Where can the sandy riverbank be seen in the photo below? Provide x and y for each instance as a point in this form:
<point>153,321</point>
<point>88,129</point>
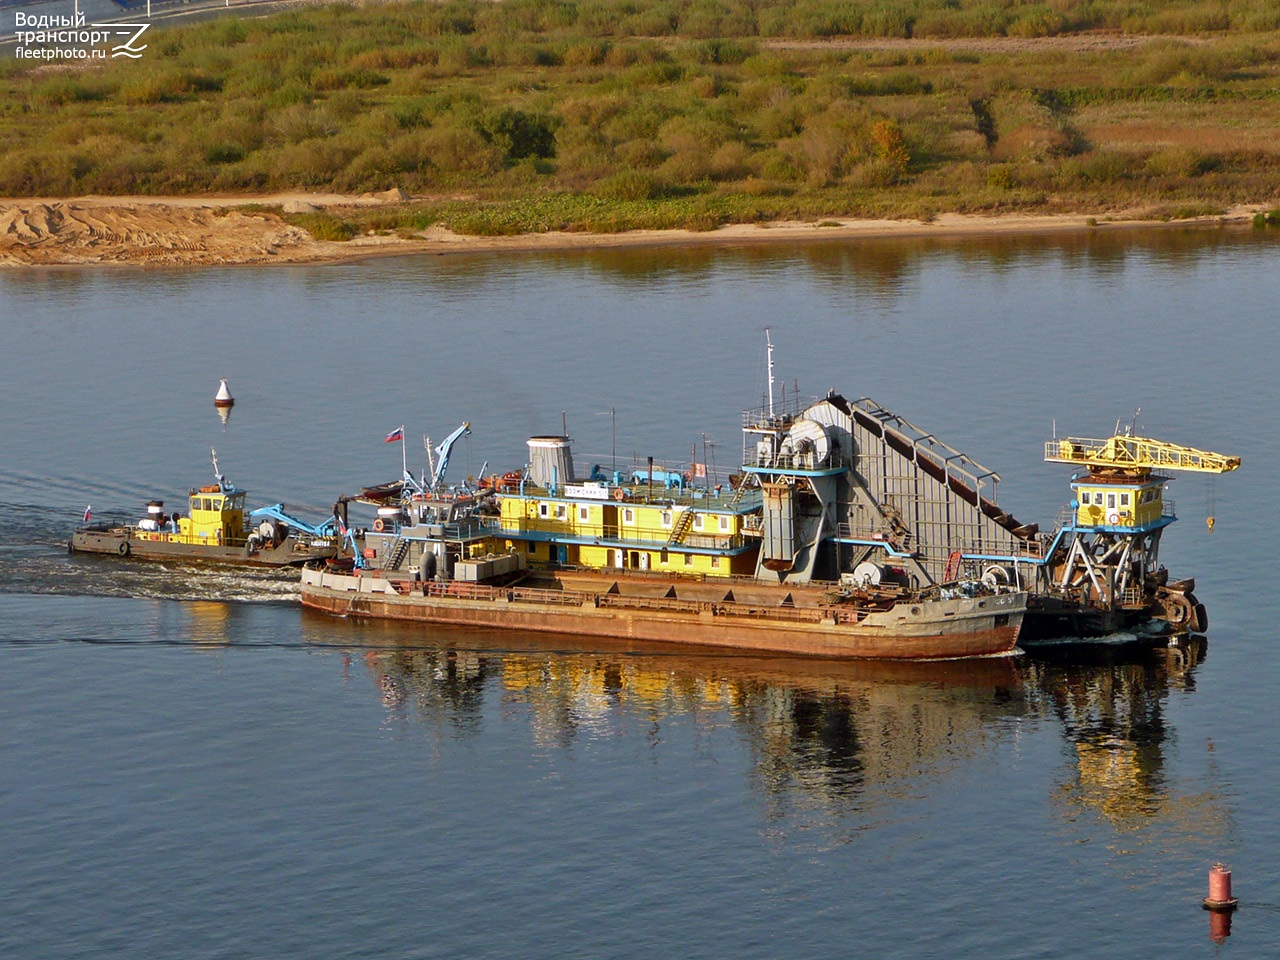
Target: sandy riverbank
<point>207,231</point>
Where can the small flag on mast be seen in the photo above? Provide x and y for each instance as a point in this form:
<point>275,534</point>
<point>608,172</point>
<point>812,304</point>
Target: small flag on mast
<point>394,435</point>
<point>88,513</point>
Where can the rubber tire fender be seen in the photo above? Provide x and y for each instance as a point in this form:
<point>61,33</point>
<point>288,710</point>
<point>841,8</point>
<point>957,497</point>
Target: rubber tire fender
<point>123,549</point>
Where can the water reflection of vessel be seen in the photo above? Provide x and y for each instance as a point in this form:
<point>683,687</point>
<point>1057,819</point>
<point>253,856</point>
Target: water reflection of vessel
<point>216,529</point>
<point>1112,711</point>
<point>829,730</point>
<point>842,724</point>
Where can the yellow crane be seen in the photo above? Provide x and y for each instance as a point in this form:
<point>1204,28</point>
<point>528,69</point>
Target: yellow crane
<point>1129,456</point>
<point>1109,548</point>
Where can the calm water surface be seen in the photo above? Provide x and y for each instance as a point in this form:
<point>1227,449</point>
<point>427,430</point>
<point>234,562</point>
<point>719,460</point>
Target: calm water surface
<point>192,767</point>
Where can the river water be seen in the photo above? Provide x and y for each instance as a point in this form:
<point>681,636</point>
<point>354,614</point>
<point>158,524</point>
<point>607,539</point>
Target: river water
<point>193,767</point>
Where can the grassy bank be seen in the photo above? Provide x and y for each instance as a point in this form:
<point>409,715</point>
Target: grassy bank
<point>530,115</point>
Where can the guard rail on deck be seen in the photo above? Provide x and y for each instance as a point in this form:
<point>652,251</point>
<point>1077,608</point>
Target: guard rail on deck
<point>839,613</point>
<point>978,546</point>
<point>645,537</point>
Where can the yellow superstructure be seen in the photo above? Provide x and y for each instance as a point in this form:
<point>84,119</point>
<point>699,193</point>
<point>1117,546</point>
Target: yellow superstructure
<point>1119,491</point>
<point>215,518</point>
<point>609,529</point>
<point>1118,504</point>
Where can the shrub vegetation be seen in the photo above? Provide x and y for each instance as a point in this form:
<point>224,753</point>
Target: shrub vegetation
<point>520,115</point>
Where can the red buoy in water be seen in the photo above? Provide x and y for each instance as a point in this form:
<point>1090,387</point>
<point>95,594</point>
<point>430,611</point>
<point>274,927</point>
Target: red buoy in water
<point>1219,897</point>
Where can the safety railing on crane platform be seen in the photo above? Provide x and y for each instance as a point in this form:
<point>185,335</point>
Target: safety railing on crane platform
<point>1028,549</point>
<point>781,414</point>
<point>789,461</point>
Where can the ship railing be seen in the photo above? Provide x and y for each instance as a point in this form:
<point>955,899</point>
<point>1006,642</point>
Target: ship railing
<point>893,429</point>
<point>783,413</point>
<point>839,613</point>
<point>645,537</point>
<point>907,542</point>
<point>1133,597</point>
<point>479,591</point>
<point>792,461</point>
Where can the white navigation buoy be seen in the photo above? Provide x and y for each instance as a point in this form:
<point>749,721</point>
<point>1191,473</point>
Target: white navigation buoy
<point>223,401</point>
<point>223,397</point>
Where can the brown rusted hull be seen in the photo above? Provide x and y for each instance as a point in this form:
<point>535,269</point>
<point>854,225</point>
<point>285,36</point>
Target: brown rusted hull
<point>935,630</point>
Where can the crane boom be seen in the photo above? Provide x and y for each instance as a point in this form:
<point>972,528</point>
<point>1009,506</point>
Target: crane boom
<point>1136,455</point>
<point>442,452</point>
<point>276,511</point>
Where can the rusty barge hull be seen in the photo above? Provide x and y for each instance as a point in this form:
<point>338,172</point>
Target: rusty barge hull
<point>932,630</point>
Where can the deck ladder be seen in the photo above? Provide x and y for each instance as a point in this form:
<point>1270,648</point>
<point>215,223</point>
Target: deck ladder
<point>395,556</point>
<point>681,527</point>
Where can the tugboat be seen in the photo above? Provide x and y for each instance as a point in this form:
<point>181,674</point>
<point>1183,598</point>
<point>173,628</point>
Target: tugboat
<point>217,529</point>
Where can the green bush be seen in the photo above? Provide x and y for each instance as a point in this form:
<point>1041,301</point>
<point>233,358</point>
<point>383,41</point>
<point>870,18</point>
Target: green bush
<point>325,226</point>
<point>633,185</point>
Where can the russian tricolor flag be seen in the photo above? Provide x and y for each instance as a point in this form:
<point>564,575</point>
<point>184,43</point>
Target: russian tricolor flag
<point>394,435</point>
<point>88,513</point>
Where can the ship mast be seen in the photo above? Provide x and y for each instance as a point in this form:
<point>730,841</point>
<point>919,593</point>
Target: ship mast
<point>769,344</point>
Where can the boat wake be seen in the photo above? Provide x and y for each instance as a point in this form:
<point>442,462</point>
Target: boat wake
<point>34,560</point>
<point>1157,631</point>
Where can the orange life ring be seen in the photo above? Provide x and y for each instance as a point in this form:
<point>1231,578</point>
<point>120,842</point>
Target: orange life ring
<point>1113,518</point>
<point>619,494</point>
<point>379,525</point>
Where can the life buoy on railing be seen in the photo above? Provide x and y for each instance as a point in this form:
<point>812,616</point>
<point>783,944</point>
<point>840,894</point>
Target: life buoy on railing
<point>379,525</point>
<point>1113,518</point>
<point>619,494</point>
